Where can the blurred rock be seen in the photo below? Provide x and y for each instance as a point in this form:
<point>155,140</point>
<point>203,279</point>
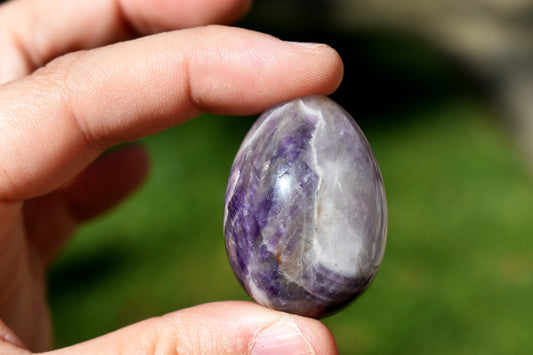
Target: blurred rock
<point>492,38</point>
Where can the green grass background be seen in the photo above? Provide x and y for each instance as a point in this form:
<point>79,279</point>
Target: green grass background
<point>457,272</point>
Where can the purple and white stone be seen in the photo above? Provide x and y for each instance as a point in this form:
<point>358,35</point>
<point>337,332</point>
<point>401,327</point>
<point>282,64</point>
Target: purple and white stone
<point>305,216</point>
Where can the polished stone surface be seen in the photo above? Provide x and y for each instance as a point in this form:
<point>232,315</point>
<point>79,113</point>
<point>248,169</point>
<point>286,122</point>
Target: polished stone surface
<point>305,212</point>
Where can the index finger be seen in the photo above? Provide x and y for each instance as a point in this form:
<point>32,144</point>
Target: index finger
<point>56,121</point>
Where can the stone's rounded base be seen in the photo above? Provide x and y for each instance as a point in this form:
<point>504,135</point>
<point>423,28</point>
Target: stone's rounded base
<point>305,214</point>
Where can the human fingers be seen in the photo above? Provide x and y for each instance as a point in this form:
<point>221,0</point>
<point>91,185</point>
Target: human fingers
<point>106,182</point>
<point>232,327</point>
<point>32,32</point>
<point>9,342</point>
<point>51,219</point>
<point>54,122</point>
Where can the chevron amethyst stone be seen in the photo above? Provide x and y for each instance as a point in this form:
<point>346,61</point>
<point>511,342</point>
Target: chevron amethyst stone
<point>305,212</point>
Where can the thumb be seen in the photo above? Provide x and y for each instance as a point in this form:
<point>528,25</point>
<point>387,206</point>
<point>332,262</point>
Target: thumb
<point>232,327</point>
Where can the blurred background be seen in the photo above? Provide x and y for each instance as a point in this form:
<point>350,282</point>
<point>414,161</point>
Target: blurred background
<point>443,91</point>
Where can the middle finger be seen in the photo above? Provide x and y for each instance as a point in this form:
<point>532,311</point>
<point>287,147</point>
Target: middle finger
<point>33,32</point>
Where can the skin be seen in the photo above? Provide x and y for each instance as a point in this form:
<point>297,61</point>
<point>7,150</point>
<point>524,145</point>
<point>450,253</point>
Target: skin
<point>78,77</point>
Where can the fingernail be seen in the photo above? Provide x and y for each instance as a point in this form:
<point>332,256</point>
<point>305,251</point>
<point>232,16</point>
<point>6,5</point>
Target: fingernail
<point>281,338</point>
<point>308,45</point>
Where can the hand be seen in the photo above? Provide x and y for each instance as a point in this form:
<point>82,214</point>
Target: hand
<point>60,108</point>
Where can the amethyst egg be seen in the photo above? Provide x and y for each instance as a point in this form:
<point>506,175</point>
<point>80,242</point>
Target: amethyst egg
<point>305,216</point>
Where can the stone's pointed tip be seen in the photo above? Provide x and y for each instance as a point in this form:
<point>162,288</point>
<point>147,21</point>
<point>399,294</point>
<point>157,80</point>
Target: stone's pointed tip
<point>305,211</point>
